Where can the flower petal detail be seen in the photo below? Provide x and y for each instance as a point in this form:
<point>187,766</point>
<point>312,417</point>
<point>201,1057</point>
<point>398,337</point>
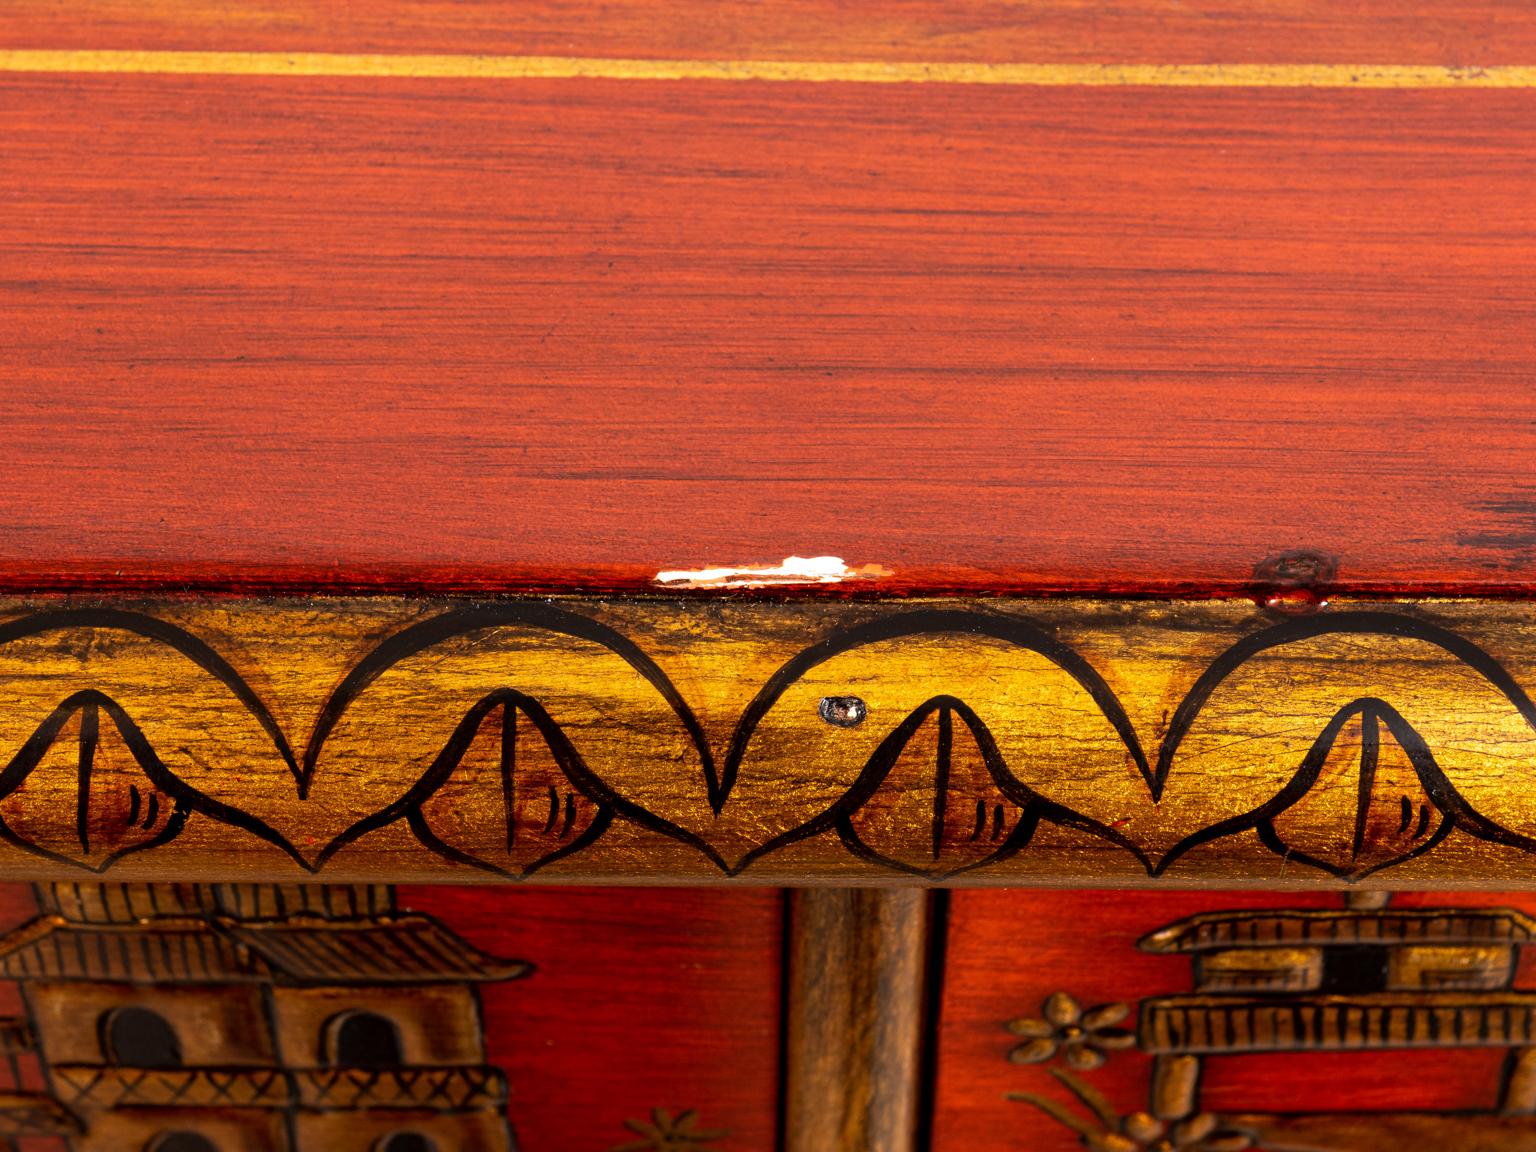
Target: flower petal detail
<point>1194,1129</point>
<point>1037,1051</point>
<point>1111,1142</point>
<point>1112,1038</point>
<point>1142,1126</point>
<point>1082,1058</point>
<point>1060,1008</point>
<point>1104,1015</point>
<point>1030,1028</point>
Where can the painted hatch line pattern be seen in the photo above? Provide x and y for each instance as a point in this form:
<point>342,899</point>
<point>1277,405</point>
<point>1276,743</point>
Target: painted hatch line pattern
<point>928,741</point>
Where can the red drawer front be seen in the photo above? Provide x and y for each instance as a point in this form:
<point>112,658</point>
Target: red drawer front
<point>1298,1023</point>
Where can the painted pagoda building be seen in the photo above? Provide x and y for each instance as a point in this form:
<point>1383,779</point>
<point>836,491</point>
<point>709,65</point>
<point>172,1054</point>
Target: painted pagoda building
<point>246,1018</point>
<point>1366,979</point>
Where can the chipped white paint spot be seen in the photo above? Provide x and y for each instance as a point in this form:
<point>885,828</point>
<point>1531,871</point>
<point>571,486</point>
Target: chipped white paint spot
<point>794,570</point>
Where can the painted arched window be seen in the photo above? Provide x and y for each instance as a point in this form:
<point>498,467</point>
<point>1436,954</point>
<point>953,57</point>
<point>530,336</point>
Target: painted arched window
<point>364,1040</point>
<point>406,1142</point>
<point>181,1142</point>
<point>138,1037</point>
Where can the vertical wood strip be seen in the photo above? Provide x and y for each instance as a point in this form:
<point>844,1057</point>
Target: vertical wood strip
<point>1175,1086</point>
<point>858,962</point>
<point>1518,1097</point>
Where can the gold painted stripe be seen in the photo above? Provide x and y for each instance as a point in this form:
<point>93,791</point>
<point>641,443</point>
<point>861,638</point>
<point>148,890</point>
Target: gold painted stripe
<point>464,67</point>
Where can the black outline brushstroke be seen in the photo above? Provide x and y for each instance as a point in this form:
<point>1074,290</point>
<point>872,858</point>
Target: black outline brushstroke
<point>36,746</point>
<point>205,658</point>
<point>549,822</point>
<point>178,639</point>
<point>1454,809</point>
<point>1362,622</point>
<point>85,765</point>
<point>884,758</point>
<point>1370,756</point>
<point>1021,633</point>
<point>941,775</point>
<point>461,621</point>
<point>1443,795</point>
<point>447,761</point>
<point>582,779</point>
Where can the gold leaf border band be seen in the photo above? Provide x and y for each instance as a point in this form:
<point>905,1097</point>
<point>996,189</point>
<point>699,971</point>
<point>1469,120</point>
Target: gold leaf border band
<point>713,740</point>
<point>510,67</point>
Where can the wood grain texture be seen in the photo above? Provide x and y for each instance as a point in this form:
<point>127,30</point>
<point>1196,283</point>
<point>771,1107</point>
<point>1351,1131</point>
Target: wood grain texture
<point>1469,32</point>
<point>996,742</point>
<point>856,1013</point>
<point>279,332</point>
<point>642,999</point>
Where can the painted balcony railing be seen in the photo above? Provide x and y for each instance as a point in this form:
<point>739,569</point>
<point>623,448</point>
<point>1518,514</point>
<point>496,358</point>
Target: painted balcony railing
<point>1338,1023</point>
<point>458,1088</point>
<point>91,1087</point>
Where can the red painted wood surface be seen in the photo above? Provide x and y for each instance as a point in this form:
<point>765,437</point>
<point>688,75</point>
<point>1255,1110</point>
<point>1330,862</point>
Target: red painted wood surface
<point>282,331</point>
<point>645,999</point>
<point>1008,951</point>
<point>1456,32</point>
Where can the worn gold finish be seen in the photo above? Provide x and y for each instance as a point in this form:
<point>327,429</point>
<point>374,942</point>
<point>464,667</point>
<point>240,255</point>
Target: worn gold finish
<point>989,742</point>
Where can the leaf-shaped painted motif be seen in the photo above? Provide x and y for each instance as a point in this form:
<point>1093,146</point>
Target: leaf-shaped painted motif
<point>616,726</point>
<point>185,713</point>
<point>1367,806</point>
<point>506,778</point>
<point>935,788</point>
<point>1243,745</point>
<point>1057,740</point>
<point>1367,795</point>
<point>86,788</point>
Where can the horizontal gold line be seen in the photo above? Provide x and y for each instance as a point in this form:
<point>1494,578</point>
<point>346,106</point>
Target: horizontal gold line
<point>464,67</point>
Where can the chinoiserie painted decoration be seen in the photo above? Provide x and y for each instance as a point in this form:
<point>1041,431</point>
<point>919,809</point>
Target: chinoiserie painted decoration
<point>251,1017</point>
<point>1368,981</point>
<point>987,742</point>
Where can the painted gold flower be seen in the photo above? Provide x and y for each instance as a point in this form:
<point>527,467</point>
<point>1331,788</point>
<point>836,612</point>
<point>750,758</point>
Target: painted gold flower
<point>1082,1037</point>
<point>667,1133</point>
<point>1136,1131</point>
<point>1143,1132</point>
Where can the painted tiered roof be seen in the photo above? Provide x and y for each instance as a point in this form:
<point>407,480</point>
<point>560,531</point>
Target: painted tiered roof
<point>95,902</point>
<point>404,950</point>
<point>1325,928</point>
<point>225,934</point>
